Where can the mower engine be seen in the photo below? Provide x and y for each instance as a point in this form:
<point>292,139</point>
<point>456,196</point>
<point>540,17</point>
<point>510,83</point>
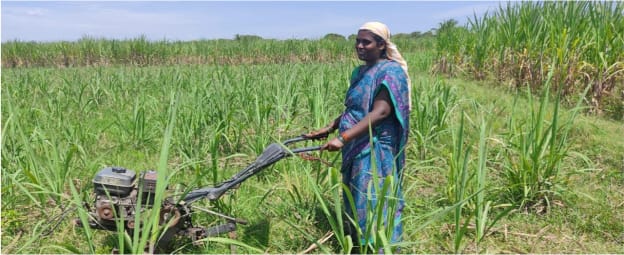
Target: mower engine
<point>119,193</point>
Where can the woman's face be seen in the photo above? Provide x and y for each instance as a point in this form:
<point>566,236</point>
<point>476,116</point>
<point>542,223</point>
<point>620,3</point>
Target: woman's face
<point>367,48</point>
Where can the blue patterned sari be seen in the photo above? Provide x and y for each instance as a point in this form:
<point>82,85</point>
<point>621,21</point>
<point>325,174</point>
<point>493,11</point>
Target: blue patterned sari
<point>388,141</point>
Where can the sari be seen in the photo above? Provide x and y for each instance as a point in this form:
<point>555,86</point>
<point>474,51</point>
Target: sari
<point>386,143</point>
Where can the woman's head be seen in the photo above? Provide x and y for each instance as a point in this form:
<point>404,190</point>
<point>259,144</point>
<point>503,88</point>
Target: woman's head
<point>382,48</point>
<point>369,47</point>
<point>375,32</point>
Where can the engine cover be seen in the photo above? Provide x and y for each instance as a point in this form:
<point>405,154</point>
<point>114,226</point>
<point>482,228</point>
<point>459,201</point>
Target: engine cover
<point>116,181</point>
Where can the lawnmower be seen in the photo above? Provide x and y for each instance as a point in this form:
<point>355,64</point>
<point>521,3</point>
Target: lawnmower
<point>121,193</point>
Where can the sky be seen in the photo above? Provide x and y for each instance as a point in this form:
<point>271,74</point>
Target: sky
<point>47,21</point>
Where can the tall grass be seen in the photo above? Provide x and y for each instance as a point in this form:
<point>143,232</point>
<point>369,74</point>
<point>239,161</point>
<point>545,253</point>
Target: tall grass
<point>517,44</point>
<point>433,104</point>
<point>90,51</point>
<point>121,112</point>
<point>535,150</point>
<point>335,216</point>
<point>88,117</point>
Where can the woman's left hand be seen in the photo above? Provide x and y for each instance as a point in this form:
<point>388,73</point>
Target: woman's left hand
<point>318,134</point>
<point>333,145</point>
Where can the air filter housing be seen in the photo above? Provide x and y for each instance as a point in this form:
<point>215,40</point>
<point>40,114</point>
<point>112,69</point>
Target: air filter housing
<point>117,181</point>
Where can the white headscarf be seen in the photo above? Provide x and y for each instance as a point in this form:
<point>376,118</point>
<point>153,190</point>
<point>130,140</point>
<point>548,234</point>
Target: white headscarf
<point>392,52</point>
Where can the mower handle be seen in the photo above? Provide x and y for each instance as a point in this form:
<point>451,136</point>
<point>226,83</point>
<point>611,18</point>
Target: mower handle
<point>304,138</point>
<point>295,139</point>
<point>275,153</point>
<point>306,149</point>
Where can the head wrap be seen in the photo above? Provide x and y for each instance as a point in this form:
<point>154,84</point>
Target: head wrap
<point>392,52</point>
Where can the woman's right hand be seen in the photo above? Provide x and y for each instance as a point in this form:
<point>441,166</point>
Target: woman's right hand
<point>333,145</point>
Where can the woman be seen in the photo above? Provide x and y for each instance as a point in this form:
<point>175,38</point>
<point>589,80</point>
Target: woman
<point>379,95</point>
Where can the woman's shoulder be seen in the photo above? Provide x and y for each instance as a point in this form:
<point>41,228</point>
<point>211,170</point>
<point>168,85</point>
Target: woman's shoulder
<point>392,64</point>
<point>391,67</point>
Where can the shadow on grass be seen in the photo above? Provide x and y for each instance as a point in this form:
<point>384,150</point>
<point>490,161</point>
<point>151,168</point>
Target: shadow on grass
<point>257,233</point>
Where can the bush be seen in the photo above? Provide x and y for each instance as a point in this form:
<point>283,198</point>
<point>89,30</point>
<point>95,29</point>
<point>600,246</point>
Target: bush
<point>334,37</point>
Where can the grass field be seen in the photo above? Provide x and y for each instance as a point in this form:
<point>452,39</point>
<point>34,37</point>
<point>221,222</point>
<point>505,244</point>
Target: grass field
<point>491,168</point>
<point>62,125</point>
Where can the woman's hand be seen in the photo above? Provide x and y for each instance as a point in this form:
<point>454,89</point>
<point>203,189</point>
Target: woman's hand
<point>323,132</point>
<point>319,134</point>
<point>333,145</point>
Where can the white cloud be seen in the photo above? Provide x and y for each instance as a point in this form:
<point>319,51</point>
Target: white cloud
<point>35,12</point>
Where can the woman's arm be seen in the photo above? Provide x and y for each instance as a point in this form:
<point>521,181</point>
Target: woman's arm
<point>382,108</point>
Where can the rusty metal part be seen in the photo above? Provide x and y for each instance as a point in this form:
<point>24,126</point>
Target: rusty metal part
<point>232,235</point>
<point>170,214</point>
<point>196,234</point>
<point>148,180</point>
<point>130,224</point>
<point>310,157</point>
<point>105,211</point>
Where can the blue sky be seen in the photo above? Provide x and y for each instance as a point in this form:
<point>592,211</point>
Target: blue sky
<point>190,20</point>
